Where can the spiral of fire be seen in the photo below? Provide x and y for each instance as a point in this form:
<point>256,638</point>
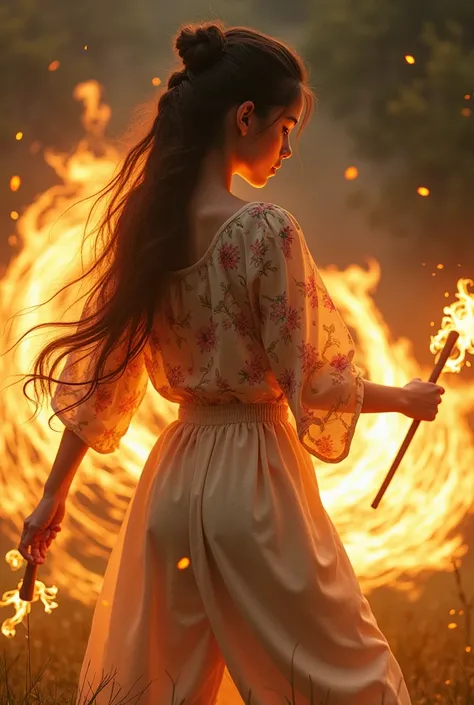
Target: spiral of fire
<point>416,529</point>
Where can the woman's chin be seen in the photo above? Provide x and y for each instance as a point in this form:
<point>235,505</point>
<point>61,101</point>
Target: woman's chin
<point>257,180</point>
<point>260,181</point>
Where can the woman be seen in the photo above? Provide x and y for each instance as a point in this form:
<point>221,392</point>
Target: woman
<point>226,556</point>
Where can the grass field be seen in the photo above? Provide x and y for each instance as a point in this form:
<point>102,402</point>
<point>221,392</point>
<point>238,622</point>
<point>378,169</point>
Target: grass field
<point>435,656</point>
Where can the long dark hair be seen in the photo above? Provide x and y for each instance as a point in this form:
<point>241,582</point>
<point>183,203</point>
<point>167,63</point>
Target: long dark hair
<point>144,230</point>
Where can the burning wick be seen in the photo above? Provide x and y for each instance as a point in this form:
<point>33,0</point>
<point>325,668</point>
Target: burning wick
<point>445,353</point>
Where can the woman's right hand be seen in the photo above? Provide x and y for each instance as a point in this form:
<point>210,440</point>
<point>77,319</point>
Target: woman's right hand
<point>421,399</point>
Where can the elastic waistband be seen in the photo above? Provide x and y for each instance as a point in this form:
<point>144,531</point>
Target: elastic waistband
<point>217,414</point>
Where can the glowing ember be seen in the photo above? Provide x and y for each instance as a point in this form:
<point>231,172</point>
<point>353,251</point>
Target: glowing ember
<point>184,563</point>
<point>351,173</point>
<point>15,183</point>
<point>458,316</point>
<point>410,59</point>
<point>417,529</point>
<point>423,191</point>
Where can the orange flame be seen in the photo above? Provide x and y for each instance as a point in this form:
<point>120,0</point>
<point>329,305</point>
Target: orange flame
<point>22,608</point>
<point>458,316</point>
<point>417,529</point>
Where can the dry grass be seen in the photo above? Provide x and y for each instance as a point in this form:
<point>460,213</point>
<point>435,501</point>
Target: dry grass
<point>437,665</point>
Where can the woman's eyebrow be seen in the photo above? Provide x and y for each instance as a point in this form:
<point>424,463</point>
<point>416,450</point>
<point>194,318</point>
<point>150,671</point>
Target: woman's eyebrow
<point>290,117</point>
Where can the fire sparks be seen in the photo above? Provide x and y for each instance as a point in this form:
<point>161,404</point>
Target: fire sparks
<point>15,183</point>
<point>458,316</point>
<point>351,173</point>
<point>417,530</point>
<point>423,191</point>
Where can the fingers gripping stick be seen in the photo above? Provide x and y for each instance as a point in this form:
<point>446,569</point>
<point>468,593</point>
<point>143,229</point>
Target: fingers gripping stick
<point>445,353</point>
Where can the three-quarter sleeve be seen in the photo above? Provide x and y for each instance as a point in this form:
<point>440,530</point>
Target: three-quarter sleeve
<point>103,419</point>
<point>309,348</point>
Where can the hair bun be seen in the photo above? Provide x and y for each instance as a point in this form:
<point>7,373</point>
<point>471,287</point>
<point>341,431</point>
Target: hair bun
<point>200,47</point>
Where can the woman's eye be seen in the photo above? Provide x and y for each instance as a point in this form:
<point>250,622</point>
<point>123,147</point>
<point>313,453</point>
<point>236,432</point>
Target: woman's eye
<point>286,131</point>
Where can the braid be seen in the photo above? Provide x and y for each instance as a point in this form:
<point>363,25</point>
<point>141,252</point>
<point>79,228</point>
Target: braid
<point>177,78</point>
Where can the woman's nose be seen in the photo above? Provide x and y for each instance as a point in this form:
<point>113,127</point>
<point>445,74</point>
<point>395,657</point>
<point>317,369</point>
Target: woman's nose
<point>286,152</point>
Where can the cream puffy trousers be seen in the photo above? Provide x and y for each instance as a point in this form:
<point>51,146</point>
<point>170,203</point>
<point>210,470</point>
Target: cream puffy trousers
<point>269,582</point>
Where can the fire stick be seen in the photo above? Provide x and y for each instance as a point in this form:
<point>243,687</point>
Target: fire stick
<point>445,353</point>
<point>28,585</point>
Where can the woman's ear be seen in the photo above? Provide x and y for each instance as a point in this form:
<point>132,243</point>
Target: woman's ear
<point>243,114</point>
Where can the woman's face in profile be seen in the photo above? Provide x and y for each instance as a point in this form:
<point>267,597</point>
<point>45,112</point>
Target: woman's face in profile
<point>264,144</point>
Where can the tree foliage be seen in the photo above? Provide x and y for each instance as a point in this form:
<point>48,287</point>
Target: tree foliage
<point>43,56</point>
<point>413,122</point>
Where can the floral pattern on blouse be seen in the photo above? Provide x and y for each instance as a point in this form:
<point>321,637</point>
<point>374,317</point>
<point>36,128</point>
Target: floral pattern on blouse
<point>251,321</point>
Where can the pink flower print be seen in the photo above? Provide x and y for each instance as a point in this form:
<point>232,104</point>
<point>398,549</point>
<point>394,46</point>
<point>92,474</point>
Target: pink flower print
<point>254,370</point>
<point>311,291</point>
<point>258,209</point>
<point>207,337</point>
<point>221,383</point>
<point>278,309</point>
<point>327,301</point>
<point>128,404</point>
<point>175,375</point>
<point>293,321</point>
<point>309,357</point>
<point>103,398</point>
<point>241,324</point>
<point>228,256</point>
<point>259,248</point>
<point>325,445</point>
<point>339,362</point>
<point>286,236</point>
<point>287,382</point>
<point>111,435</point>
<point>293,318</point>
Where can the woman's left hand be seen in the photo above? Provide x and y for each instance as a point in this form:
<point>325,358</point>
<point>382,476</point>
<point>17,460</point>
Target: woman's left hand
<point>41,528</point>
